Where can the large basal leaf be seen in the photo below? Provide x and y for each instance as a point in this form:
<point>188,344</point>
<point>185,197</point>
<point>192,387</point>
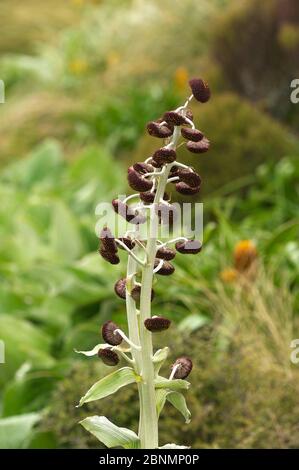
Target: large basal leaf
<point>109,385</point>
<point>176,384</point>
<point>110,434</point>
<point>176,399</point>
<point>16,431</point>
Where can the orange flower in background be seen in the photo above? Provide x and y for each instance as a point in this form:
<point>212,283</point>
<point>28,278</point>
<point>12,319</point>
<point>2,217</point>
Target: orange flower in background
<point>229,275</point>
<point>181,77</point>
<point>245,253</point>
<point>78,66</point>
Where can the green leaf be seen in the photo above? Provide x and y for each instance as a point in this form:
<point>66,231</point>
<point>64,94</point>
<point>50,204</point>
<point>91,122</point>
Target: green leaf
<point>179,402</point>
<point>15,431</point>
<point>110,434</point>
<point>176,399</point>
<point>109,385</point>
<point>173,446</point>
<point>159,358</point>
<point>193,322</point>
<point>176,384</point>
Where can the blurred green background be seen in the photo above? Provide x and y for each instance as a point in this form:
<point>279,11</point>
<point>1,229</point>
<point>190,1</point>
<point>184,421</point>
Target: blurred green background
<point>82,79</point>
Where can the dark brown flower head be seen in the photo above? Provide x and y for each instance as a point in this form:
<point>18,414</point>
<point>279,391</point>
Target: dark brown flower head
<point>156,324</point>
<point>192,134</point>
<point>186,190</point>
<point>184,367</point>
<point>142,168</point>
<point>165,253</point>
<point>112,258</point>
<point>128,242</point>
<point>127,213</point>
<point>120,288</point>
<point>166,269</point>
<point>198,147</point>
<point>109,333</point>
<point>136,291</point>
<point>189,177</point>
<point>161,131</point>
<point>167,213</point>
<point>200,89</point>
<point>137,181</point>
<point>149,196</point>
<point>188,247</point>
<point>107,241</point>
<point>172,117</point>
<point>109,357</point>
<point>164,155</point>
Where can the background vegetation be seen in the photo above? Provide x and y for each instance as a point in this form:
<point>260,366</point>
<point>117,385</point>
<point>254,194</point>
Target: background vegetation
<point>82,79</point>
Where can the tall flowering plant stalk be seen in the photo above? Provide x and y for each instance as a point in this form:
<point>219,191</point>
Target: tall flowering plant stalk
<point>146,259</point>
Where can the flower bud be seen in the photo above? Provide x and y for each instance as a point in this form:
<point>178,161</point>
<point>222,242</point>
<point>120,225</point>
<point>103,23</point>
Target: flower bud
<point>161,131</point>
<point>166,269</point>
<point>137,181</point>
<point>164,155</point>
<point>112,258</point>
<point>120,288</point>
<point>107,241</point>
<point>200,89</point>
<point>109,334</point>
<point>184,367</point>
<point>189,177</point>
<point>149,196</point>
<point>127,241</point>
<point>136,291</point>
<point>188,247</point>
<point>245,253</point>
<point>142,168</point>
<point>172,117</point>
<point>191,134</point>
<point>109,357</point>
<point>165,253</point>
<point>156,324</point>
<point>127,213</point>
<point>198,147</point>
<point>186,190</point>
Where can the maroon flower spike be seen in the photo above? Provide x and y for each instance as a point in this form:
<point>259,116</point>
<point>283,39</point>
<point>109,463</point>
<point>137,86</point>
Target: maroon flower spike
<point>109,357</point>
<point>109,334</point>
<point>164,155</point>
<point>128,242</point>
<point>184,367</point>
<point>172,117</point>
<point>166,269</point>
<point>107,241</point>
<point>112,258</point>
<point>198,147</point>
<point>191,247</point>
<point>200,89</point>
<point>120,288</point>
<point>165,253</point>
<point>191,134</point>
<point>156,324</point>
<point>136,291</point>
<point>149,197</point>
<point>186,190</point>
<point>156,130</point>
<point>137,181</point>
<point>189,177</point>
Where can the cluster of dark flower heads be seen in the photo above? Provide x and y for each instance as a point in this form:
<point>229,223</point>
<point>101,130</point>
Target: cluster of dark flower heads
<point>141,179</point>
